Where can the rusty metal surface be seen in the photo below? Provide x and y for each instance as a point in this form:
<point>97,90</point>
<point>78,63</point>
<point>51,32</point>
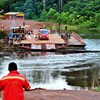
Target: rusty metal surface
<point>53,39</point>
<point>61,95</point>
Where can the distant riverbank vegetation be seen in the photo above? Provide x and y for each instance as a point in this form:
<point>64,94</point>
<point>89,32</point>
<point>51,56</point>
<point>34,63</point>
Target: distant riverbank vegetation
<point>83,13</point>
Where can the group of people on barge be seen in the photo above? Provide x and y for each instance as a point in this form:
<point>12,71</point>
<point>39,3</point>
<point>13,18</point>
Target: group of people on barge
<point>18,35</point>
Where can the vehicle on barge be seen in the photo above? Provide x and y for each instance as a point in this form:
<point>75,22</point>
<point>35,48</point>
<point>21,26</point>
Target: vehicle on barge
<point>43,40</point>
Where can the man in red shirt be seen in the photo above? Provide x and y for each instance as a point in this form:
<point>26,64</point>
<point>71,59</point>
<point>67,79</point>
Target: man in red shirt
<point>13,84</point>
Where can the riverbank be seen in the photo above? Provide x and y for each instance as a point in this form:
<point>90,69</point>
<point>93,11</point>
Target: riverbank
<point>42,94</point>
<point>54,27</point>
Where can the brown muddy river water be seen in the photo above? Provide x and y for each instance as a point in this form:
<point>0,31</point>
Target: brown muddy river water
<point>53,70</point>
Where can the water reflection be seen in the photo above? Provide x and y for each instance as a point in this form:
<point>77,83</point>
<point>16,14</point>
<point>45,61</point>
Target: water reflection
<point>84,78</point>
<point>53,70</point>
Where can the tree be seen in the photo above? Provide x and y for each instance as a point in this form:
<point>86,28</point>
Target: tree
<point>51,14</point>
<point>44,16</point>
<point>97,18</point>
<point>28,9</point>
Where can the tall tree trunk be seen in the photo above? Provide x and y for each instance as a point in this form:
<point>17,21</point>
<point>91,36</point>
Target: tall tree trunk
<point>60,5</point>
<point>44,4</point>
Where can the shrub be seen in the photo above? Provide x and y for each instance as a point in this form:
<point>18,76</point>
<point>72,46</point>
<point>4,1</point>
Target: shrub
<point>2,34</point>
<point>88,24</point>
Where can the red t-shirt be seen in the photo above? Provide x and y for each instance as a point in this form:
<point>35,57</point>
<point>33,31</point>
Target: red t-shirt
<point>12,86</point>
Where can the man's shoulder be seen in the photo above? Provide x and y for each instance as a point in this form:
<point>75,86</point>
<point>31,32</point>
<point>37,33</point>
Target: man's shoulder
<point>3,77</point>
<point>19,77</point>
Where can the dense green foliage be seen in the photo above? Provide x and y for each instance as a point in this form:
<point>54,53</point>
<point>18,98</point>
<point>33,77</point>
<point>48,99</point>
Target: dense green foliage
<point>72,12</point>
<point>2,34</point>
<point>97,89</point>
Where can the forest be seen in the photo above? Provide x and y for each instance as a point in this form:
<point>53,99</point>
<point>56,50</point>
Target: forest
<point>71,12</point>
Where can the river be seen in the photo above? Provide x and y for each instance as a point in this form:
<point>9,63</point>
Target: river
<point>52,70</point>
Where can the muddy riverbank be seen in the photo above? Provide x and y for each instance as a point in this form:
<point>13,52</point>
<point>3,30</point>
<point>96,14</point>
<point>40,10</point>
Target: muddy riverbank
<point>61,95</point>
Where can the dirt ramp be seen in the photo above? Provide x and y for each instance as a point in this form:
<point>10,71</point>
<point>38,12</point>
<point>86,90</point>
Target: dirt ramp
<point>61,95</point>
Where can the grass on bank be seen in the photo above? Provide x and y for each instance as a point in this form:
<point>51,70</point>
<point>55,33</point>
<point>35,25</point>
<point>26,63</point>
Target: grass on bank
<point>90,33</point>
<point>97,89</point>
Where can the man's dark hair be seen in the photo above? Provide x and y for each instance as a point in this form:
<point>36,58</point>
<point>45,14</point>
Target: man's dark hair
<point>12,66</point>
